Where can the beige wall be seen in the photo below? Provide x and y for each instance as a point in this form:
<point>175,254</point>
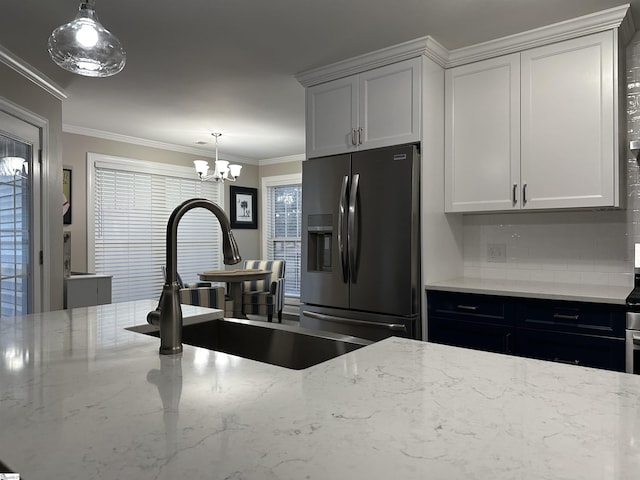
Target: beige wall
<point>285,168</point>
<point>28,96</point>
<point>76,147</point>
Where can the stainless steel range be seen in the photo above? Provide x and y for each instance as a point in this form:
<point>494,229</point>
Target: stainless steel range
<point>632,342</point>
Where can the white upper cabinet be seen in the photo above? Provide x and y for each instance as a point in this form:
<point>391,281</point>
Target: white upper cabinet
<point>569,120</point>
<point>482,135</point>
<point>376,108</point>
<point>389,107</point>
<point>536,129</point>
<point>332,116</point>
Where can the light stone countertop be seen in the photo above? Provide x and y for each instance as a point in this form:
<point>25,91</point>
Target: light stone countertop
<point>82,398</point>
<point>531,289</point>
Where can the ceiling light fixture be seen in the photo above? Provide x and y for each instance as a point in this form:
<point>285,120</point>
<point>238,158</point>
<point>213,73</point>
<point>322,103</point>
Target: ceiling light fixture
<point>13,167</point>
<point>85,47</point>
<point>12,159</point>
<point>222,170</point>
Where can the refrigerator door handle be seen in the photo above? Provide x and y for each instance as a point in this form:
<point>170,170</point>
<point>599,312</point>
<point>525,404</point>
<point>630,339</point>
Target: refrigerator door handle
<point>352,321</point>
<point>341,208</point>
<point>352,232</point>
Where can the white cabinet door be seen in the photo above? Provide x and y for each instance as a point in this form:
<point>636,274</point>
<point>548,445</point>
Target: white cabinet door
<point>332,116</point>
<point>569,124</point>
<point>482,135</point>
<point>389,106</point>
<point>377,108</point>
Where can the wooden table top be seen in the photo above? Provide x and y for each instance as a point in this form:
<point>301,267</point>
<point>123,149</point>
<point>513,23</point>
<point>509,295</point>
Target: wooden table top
<point>237,274</point>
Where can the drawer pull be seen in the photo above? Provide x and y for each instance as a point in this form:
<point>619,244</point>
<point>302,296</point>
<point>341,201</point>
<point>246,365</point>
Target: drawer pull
<point>560,316</point>
<point>467,307</point>
<point>568,362</point>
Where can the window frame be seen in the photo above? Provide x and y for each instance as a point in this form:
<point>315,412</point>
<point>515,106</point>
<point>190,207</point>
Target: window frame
<point>266,183</point>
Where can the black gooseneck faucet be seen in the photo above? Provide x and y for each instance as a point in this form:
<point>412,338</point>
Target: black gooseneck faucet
<point>168,315</point>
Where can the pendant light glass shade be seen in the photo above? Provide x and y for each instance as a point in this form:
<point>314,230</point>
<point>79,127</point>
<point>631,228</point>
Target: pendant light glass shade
<point>85,47</point>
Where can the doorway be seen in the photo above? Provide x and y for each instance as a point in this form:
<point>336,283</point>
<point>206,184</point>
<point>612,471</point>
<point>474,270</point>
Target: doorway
<point>20,239</point>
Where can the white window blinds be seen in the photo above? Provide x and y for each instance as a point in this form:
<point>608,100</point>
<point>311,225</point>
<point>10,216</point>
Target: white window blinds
<point>132,202</point>
<point>282,200</point>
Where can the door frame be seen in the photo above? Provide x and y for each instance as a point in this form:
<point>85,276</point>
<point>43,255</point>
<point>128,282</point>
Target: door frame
<point>39,185</point>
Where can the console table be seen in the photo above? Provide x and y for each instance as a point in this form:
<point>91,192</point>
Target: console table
<point>86,290</point>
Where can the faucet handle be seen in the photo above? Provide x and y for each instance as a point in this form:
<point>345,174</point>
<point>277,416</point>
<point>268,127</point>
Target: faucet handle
<point>153,317</point>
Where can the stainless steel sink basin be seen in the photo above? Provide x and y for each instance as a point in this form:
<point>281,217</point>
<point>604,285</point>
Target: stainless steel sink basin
<point>287,346</point>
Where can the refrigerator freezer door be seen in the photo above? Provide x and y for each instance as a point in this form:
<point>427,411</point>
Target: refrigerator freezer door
<point>386,215</point>
<point>325,274</point>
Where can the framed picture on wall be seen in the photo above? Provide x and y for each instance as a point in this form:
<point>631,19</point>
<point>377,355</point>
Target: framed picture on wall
<point>66,192</point>
<point>244,207</point>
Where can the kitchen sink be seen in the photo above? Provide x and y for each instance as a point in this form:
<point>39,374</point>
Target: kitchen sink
<point>277,344</point>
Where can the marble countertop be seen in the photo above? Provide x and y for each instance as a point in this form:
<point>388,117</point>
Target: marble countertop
<point>83,398</point>
<point>532,289</point>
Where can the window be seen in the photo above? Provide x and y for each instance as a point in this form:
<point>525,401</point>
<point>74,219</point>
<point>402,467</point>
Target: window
<point>130,205</point>
<point>282,206</point>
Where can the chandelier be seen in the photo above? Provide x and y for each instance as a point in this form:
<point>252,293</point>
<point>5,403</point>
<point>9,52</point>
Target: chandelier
<point>222,170</point>
<point>13,167</point>
<point>85,47</point>
<point>12,159</point>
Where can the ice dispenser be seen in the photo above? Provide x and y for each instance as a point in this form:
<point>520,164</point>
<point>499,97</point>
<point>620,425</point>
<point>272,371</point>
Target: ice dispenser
<point>320,241</point>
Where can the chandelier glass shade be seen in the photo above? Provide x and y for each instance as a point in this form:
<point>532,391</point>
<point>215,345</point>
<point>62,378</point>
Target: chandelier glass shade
<point>83,46</point>
<point>222,169</point>
<point>13,158</point>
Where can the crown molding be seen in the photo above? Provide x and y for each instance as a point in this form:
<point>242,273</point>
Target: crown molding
<point>609,19</point>
<point>627,28</point>
<point>30,72</point>
<point>612,18</point>
<point>426,46</point>
<point>116,137</point>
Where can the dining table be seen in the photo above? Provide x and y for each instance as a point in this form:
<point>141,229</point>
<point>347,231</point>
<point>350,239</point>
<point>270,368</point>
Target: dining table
<point>234,279</point>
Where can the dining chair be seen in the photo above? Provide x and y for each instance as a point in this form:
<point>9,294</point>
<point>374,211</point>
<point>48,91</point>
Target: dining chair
<point>264,297</point>
<point>204,294</point>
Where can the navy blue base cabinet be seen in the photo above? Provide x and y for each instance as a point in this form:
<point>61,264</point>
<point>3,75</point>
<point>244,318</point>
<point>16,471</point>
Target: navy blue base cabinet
<point>482,322</point>
<point>578,333</point>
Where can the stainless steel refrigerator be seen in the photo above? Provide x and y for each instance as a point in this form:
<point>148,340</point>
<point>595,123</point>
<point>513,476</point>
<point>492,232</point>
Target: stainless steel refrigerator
<point>361,243</point>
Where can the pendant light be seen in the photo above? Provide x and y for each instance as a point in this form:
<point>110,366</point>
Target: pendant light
<point>85,47</point>
<point>222,171</point>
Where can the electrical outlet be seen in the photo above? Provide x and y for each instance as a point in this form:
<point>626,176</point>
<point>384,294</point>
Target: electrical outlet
<point>497,253</point>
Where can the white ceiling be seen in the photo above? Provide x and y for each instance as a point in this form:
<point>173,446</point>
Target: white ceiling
<point>200,66</point>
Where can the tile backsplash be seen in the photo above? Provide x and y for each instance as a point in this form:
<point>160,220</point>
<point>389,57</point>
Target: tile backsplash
<point>584,247</point>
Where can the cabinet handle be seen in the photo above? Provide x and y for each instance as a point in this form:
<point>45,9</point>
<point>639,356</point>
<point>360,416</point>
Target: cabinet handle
<point>507,343</point>
<point>354,137</point>
<point>467,307</point>
<point>568,362</point>
<point>515,188</point>
<point>560,316</point>
<point>524,194</point>
<point>360,136</point>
